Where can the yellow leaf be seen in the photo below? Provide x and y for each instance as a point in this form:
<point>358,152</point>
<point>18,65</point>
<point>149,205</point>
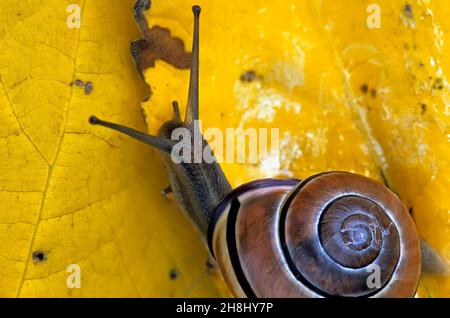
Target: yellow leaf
<point>406,106</point>
<point>345,97</point>
<point>76,194</point>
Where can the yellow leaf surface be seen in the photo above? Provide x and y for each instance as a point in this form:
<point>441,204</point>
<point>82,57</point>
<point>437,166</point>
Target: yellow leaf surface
<point>76,194</point>
<point>406,107</point>
<point>344,96</point>
<point>88,196</point>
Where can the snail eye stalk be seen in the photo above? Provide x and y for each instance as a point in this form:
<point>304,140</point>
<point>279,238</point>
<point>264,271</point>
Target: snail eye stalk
<point>154,141</point>
<point>192,111</point>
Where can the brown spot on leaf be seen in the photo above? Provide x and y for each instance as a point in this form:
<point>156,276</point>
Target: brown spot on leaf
<point>157,43</point>
<point>373,92</point>
<point>438,84</point>
<point>364,88</point>
<point>423,107</point>
<point>160,45</point>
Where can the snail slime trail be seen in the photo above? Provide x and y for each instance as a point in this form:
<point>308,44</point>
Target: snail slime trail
<point>329,228</point>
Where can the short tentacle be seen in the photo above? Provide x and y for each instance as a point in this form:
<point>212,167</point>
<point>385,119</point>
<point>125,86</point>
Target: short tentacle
<point>176,111</point>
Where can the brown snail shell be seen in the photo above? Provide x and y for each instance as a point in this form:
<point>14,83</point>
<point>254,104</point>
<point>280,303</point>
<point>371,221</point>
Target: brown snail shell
<point>317,238</point>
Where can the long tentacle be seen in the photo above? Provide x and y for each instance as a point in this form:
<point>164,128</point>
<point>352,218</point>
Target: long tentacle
<point>154,141</point>
<point>192,111</point>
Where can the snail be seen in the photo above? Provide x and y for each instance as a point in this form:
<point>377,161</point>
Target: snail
<point>325,236</point>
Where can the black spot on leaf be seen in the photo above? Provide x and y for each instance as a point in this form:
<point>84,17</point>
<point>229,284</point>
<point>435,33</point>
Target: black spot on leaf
<point>39,256</point>
<point>79,83</point>
<point>173,274</point>
<point>248,76</point>
<point>88,88</point>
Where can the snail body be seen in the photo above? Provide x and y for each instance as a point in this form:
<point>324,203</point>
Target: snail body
<point>320,237</point>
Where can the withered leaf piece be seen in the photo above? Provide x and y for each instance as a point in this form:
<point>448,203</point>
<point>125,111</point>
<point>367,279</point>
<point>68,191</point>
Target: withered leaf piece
<point>157,43</point>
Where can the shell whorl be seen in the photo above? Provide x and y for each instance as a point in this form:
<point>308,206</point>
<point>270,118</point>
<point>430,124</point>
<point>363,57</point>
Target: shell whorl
<point>333,234</point>
<point>339,228</point>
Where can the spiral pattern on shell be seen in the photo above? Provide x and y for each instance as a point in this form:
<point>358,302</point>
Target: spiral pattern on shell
<point>333,234</point>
